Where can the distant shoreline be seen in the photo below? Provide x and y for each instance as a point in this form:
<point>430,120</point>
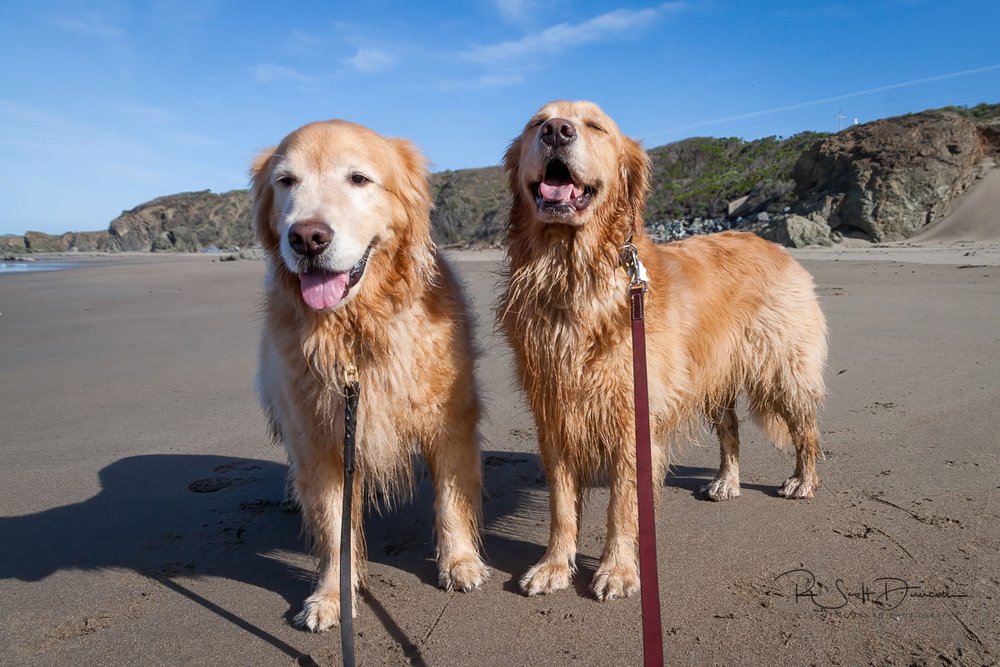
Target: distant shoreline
<point>957,253</point>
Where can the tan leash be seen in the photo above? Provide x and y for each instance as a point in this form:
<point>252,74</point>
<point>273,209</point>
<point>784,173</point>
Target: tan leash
<point>652,629</point>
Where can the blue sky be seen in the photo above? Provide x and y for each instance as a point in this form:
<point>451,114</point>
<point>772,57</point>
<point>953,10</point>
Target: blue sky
<point>107,104</point>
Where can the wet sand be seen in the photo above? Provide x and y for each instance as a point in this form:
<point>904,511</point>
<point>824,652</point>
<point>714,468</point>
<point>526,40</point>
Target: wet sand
<point>140,516</point>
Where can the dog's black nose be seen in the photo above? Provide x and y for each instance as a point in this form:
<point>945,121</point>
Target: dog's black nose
<point>309,238</point>
<point>558,132</point>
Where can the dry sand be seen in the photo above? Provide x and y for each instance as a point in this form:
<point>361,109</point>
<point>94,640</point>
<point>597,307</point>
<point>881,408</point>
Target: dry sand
<point>973,217</point>
<point>139,496</point>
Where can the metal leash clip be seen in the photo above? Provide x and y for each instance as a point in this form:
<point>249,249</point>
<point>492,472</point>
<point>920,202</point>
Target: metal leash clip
<point>349,373</point>
<point>636,270</point>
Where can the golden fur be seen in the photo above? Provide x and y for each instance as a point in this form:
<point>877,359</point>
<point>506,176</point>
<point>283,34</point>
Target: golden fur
<point>725,314</point>
<point>405,327</point>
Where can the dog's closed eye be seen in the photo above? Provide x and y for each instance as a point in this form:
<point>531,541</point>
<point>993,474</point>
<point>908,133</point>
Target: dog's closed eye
<point>285,180</point>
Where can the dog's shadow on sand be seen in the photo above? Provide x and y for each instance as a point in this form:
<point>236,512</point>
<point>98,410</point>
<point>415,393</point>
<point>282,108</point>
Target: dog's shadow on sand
<point>175,518</point>
<point>179,517</point>
<point>696,480</point>
<point>171,518</point>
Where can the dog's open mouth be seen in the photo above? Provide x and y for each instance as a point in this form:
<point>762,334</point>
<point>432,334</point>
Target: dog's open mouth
<point>558,192</point>
<point>323,289</point>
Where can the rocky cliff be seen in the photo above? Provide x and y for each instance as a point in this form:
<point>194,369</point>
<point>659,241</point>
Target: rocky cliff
<point>185,222</point>
<point>888,179</point>
<point>190,221</point>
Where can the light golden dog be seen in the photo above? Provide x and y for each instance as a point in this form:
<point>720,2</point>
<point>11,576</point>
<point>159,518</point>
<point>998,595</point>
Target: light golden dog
<point>353,279</point>
<point>725,314</point>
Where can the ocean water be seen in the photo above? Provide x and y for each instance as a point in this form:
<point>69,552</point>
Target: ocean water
<point>33,267</point>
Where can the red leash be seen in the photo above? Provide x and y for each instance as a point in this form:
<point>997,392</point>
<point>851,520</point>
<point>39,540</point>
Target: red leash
<point>652,631</point>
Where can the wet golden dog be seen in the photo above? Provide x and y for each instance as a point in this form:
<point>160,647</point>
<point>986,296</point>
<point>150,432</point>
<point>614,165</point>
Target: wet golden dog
<point>353,279</point>
<point>727,314</point>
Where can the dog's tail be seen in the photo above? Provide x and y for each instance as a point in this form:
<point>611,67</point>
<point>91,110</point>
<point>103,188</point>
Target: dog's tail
<point>774,427</point>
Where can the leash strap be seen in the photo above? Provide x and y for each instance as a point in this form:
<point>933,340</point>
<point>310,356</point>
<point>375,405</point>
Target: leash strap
<point>652,632</point>
<point>352,391</point>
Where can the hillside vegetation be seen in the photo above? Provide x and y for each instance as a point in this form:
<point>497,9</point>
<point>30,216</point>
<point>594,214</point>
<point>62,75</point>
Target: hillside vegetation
<point>699,177</point>
<point>470,206</point>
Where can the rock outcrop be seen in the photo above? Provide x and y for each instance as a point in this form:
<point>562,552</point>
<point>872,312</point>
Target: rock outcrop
<point>67,242</point>
<point>190,221</point>
<point>794,231</point>
<point>11,244</point>
<point>890,178</point>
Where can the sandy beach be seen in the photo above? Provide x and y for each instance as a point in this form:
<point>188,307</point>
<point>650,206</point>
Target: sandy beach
<point>141,524</point>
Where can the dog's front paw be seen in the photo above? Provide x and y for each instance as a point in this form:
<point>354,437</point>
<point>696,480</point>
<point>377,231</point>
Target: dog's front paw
<point>548,576</point>
<point>463,574</point>
<point>723,488</point>
<point>320,612</point>
<point>615,580</point>
<point>797,487</point>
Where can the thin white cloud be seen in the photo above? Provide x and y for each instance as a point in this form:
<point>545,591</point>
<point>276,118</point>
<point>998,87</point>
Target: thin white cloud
<point>835,98</point>
<point>270,73</point>
<point>818,12</point>
<point>514,10</point>
<point>91,25</point>
<point>147,113</point>
<point>482,83</point>
<point>186,13</point>
<point>565,36</point>
<point>101,166</point>
<point>300,41</point>
<point>371,60</point>
<point>68,144</point>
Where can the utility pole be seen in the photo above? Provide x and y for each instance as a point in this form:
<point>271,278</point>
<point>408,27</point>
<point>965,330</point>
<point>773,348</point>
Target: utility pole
<point>840,119</point>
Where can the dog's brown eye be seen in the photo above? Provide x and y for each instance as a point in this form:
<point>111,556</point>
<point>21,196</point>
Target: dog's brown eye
<point>286,181</point>
<point>594,126</point>
<point>360,179</point>
<point>536,122</point>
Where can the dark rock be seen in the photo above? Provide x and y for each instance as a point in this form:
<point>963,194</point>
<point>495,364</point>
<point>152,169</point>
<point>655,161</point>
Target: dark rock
<point>738,206</point>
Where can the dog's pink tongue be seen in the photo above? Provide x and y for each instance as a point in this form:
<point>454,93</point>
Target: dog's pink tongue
<point>322,289</point>
<point>554,191</point>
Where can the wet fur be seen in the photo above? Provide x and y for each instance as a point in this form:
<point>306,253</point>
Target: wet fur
<point>726,314</point>
<point>407,330</point>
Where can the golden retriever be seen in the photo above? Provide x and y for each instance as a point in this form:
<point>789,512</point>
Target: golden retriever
<point>726,314</point>
<point>353,280</point>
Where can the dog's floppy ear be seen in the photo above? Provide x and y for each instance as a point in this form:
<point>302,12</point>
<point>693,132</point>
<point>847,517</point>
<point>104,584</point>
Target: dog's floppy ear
<point>410,186</point>
<point>511,164</point>
<point>413,199</point>
<point>636,172</point>
<point>263,199</point>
